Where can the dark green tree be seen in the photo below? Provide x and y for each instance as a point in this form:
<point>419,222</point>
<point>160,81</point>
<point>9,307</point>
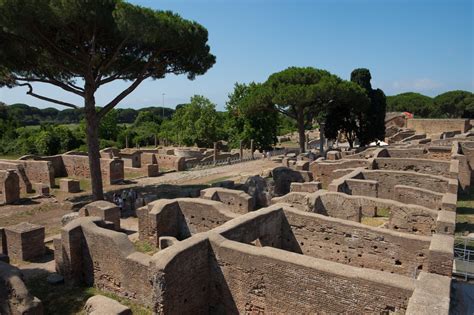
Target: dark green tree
<point>372,121</point>
<point>347,111</point>
<point>251,116</point>
<point>80,46</point>
<point>418,104</point>
<point>455,104</point>
<point>301,94</point>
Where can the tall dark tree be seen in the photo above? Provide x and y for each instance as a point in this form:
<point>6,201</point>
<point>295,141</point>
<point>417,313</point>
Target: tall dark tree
<point>80,46</point>
<point>372,125</point>
<point>346,113</point>
<point>301,94</point>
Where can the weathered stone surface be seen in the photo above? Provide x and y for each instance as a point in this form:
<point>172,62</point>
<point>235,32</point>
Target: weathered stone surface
<point>9,187</point>
<point>69,217</point>
<point>105,210</point>
<point>69,185</point>
<point>25,241</point>
<point>102,305</point>
<point>259,189</point>
<point>14,295</point>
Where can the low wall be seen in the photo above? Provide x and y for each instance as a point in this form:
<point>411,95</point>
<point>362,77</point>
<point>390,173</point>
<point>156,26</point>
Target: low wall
<point>358,245</point>
<point>78,166</point>
<point>220,272</point>
<point>171,162</point>
<point>424,166</point>
<point>180,218</point>
<point>9,187</point>
<point>267,280</point>
<point>90,254</point>
<point>237,201</point>
<point>402,217</point>
<point>323,170</point>
<point>25,184</point>
<point>431,126</point>
<point>430,191</point>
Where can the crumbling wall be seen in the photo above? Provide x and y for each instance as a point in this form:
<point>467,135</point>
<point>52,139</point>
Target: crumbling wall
<point>25,184</point>
<point>431,126</point>
<point>249,279</point>
<point>358,245</point>
<point>424,166</point>
<point>9,187</point>
<point>39,171</point>
<point>171,162</point>
<point>90,254</point>
<point>182,278</point>
<point>236,200</point>
<point>180,218</point>
<point>323,170</point>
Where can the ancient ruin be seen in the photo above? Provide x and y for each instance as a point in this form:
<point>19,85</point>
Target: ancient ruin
<point>300,227</point>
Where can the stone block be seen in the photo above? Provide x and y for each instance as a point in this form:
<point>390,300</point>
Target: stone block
<point>42,189</point>
<point>105,210</point>
<point>333,155</point>
<point>102,305</point>
<point>25,241</point>
<point>69,185</point>
<point>152,170</point>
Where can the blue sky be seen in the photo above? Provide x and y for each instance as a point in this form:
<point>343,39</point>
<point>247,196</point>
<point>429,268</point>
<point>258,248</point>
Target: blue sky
<point>409,45</point>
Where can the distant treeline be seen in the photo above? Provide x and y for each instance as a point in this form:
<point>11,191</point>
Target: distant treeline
<point>32,116</point>
<point>452,104</point>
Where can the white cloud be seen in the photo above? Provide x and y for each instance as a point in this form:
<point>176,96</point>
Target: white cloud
<point>418,85</point>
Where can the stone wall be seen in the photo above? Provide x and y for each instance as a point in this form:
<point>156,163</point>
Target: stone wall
<point>25,184</point>
<point>237,201</point>
<point>250,279</point>
<point>323,170</point>
<point>78,166</point>
<point>431,126</point>
<point>180,218</point>
<point>254,263</point>
<point>171,162</point>
<point>430,191</point>
<point>92,255</point>
<point>39,171</point>
<point>424,166</point>
<point>358,245</point>
<point>402,217</point>
<point>9,187</point>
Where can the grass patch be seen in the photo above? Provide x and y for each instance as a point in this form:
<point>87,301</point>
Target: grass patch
<point>19,217</point>
<point>383,212</point>
<point>132,174</point>
<point>373,221</point>
<point>67,299</point>
<point>145,247</point>
<point>10,157</point>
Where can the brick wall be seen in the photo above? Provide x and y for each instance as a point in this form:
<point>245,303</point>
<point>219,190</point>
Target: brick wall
<point>266,280</point>
<point>358,245</point>
<point>430,126</point>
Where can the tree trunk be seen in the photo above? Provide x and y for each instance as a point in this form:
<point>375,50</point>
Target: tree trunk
<point>92,132</point>
<point>302,137</point>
